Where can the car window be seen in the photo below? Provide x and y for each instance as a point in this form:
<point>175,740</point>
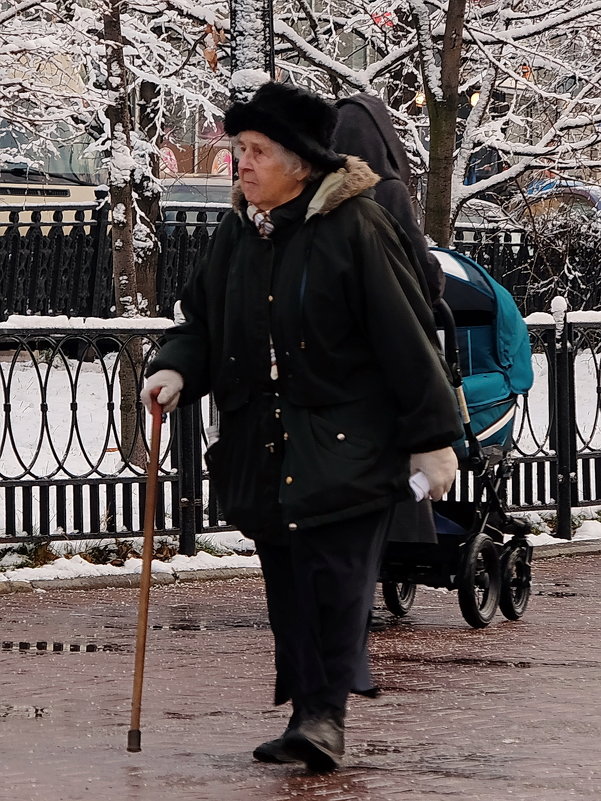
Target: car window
<point>198,193</point>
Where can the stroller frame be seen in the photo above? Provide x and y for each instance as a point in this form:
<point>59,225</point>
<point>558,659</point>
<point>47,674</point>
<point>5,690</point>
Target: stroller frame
<point>487,571</point>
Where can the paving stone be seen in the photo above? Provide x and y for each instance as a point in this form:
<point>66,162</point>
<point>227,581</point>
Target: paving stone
<point>509,712</point>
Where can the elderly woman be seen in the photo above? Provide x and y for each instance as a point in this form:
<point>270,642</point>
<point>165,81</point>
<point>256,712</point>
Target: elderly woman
<point>307,321</point>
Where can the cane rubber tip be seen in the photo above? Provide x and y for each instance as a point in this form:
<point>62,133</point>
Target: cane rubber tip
<point>133,740</point>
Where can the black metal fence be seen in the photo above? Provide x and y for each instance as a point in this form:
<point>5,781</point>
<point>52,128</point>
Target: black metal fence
<point>71,462</point>
<point>72,450</point>
<point>535,269</point>
<point>557,433</point>
<point>58,260</point>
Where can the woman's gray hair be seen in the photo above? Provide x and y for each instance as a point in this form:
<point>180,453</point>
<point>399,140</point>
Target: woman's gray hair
<point>292,162</point>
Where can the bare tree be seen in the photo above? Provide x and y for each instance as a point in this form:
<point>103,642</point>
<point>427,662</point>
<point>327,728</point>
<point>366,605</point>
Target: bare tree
<point>442,97</point>
<point>120,72</point>
<point>117,71</point>
<point>530,67</point>
<point>121,166</point>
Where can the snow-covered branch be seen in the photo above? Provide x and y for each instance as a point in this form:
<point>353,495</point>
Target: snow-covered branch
<point>317,58</point>
<point>19,8</point>
<point>429,61</point>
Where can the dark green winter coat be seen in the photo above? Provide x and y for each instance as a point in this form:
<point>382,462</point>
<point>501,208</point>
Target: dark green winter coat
<point>361,385</point>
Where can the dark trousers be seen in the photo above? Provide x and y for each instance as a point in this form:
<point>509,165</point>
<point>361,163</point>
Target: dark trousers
<point>320,587</point>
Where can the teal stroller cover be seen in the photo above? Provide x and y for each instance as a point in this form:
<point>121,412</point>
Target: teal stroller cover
<point>494,347</point>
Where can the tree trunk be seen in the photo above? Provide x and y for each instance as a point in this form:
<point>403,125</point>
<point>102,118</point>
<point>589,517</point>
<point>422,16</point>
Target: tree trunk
<point>443,125</point>
<point>120,169</point>
<point>147,255</point>
<point>122,228</point>
<point>438,195</point>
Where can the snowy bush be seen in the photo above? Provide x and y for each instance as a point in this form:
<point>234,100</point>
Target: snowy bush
<point>567,253</point>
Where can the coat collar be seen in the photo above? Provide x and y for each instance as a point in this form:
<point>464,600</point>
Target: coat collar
<point>336,187</point>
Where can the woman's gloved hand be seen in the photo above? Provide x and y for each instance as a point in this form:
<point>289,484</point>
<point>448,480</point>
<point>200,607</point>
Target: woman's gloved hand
<point>439,467</point>
<point>170,384</point>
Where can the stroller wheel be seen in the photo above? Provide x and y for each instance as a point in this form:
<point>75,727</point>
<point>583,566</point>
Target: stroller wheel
<point>515,580</point>
<point>398,597</point>
<point>479,581</point>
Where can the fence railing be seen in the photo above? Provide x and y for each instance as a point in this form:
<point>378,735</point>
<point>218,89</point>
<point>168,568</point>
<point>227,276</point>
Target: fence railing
<point>73,435</point>
<point>58,260</point>
<point>72,444</point>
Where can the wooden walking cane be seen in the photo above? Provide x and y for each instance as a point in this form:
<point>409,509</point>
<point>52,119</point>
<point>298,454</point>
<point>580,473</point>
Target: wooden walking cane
<point>134,736</point>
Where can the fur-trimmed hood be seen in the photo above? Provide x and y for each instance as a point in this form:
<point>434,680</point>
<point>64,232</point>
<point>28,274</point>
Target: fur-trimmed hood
<point>336,187</point>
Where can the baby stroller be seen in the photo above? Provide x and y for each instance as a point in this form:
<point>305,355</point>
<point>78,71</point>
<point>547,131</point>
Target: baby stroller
<point>475,547</point>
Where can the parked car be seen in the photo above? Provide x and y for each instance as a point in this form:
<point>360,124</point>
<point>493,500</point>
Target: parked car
<point>480,221</point>
<point>193,194</point>
<point>548,196</point>
<point>65,176</point>
<point>482,215</point>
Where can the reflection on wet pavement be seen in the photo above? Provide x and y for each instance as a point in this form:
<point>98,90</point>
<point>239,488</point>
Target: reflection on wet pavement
<point>509,712</point>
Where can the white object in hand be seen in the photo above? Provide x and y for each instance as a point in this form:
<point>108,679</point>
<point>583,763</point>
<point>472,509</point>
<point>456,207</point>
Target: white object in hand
<point>439,466</point>
<point>420,485</point>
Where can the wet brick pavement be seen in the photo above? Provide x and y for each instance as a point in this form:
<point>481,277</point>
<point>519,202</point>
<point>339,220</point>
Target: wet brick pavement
<point>509,712</point>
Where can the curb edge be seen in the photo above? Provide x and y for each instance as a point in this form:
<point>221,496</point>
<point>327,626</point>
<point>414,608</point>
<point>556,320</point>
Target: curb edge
<point>132,580</point>
<point>128,580</point>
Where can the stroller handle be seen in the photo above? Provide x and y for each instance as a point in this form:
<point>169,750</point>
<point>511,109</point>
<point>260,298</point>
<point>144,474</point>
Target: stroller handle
<point>445,321</point>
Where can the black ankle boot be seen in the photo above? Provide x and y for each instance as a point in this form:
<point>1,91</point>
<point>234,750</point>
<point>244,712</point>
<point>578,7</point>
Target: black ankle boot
<point>318,740</point>
<point>274,750</point>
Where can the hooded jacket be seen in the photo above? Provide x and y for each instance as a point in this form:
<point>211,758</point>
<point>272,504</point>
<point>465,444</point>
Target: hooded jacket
<point>364,129</point>
<point>361,385</point>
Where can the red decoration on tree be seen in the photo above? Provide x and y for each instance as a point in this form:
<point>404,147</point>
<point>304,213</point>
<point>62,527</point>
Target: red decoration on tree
<point>384,20</point>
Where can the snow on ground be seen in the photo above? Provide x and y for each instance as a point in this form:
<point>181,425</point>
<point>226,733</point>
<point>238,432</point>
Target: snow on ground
<point>78,567</point>
<point>61,322</point>
<point>586,525</point>
<point>75,566</point>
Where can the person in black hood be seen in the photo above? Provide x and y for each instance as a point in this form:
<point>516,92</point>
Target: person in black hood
<point>306,320</point>
<point>364,129</point>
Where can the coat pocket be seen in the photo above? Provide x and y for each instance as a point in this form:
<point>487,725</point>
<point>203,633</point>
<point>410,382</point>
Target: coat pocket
<point>329,468</point>
<point>244,471</point>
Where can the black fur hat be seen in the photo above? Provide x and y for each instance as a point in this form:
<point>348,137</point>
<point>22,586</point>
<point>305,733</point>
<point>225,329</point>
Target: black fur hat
<point>296,118</point>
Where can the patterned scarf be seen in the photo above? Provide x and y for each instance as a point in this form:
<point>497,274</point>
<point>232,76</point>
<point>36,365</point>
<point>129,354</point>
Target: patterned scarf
<point>262,220</point>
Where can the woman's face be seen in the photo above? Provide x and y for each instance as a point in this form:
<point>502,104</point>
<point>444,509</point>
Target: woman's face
<point>265,179</point>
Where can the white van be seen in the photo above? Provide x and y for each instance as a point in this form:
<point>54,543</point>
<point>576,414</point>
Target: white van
<point>62,175</point>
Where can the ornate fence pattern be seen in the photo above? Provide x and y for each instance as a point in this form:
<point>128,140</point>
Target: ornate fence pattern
<point>59,261</point>
<point>70,463</point>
